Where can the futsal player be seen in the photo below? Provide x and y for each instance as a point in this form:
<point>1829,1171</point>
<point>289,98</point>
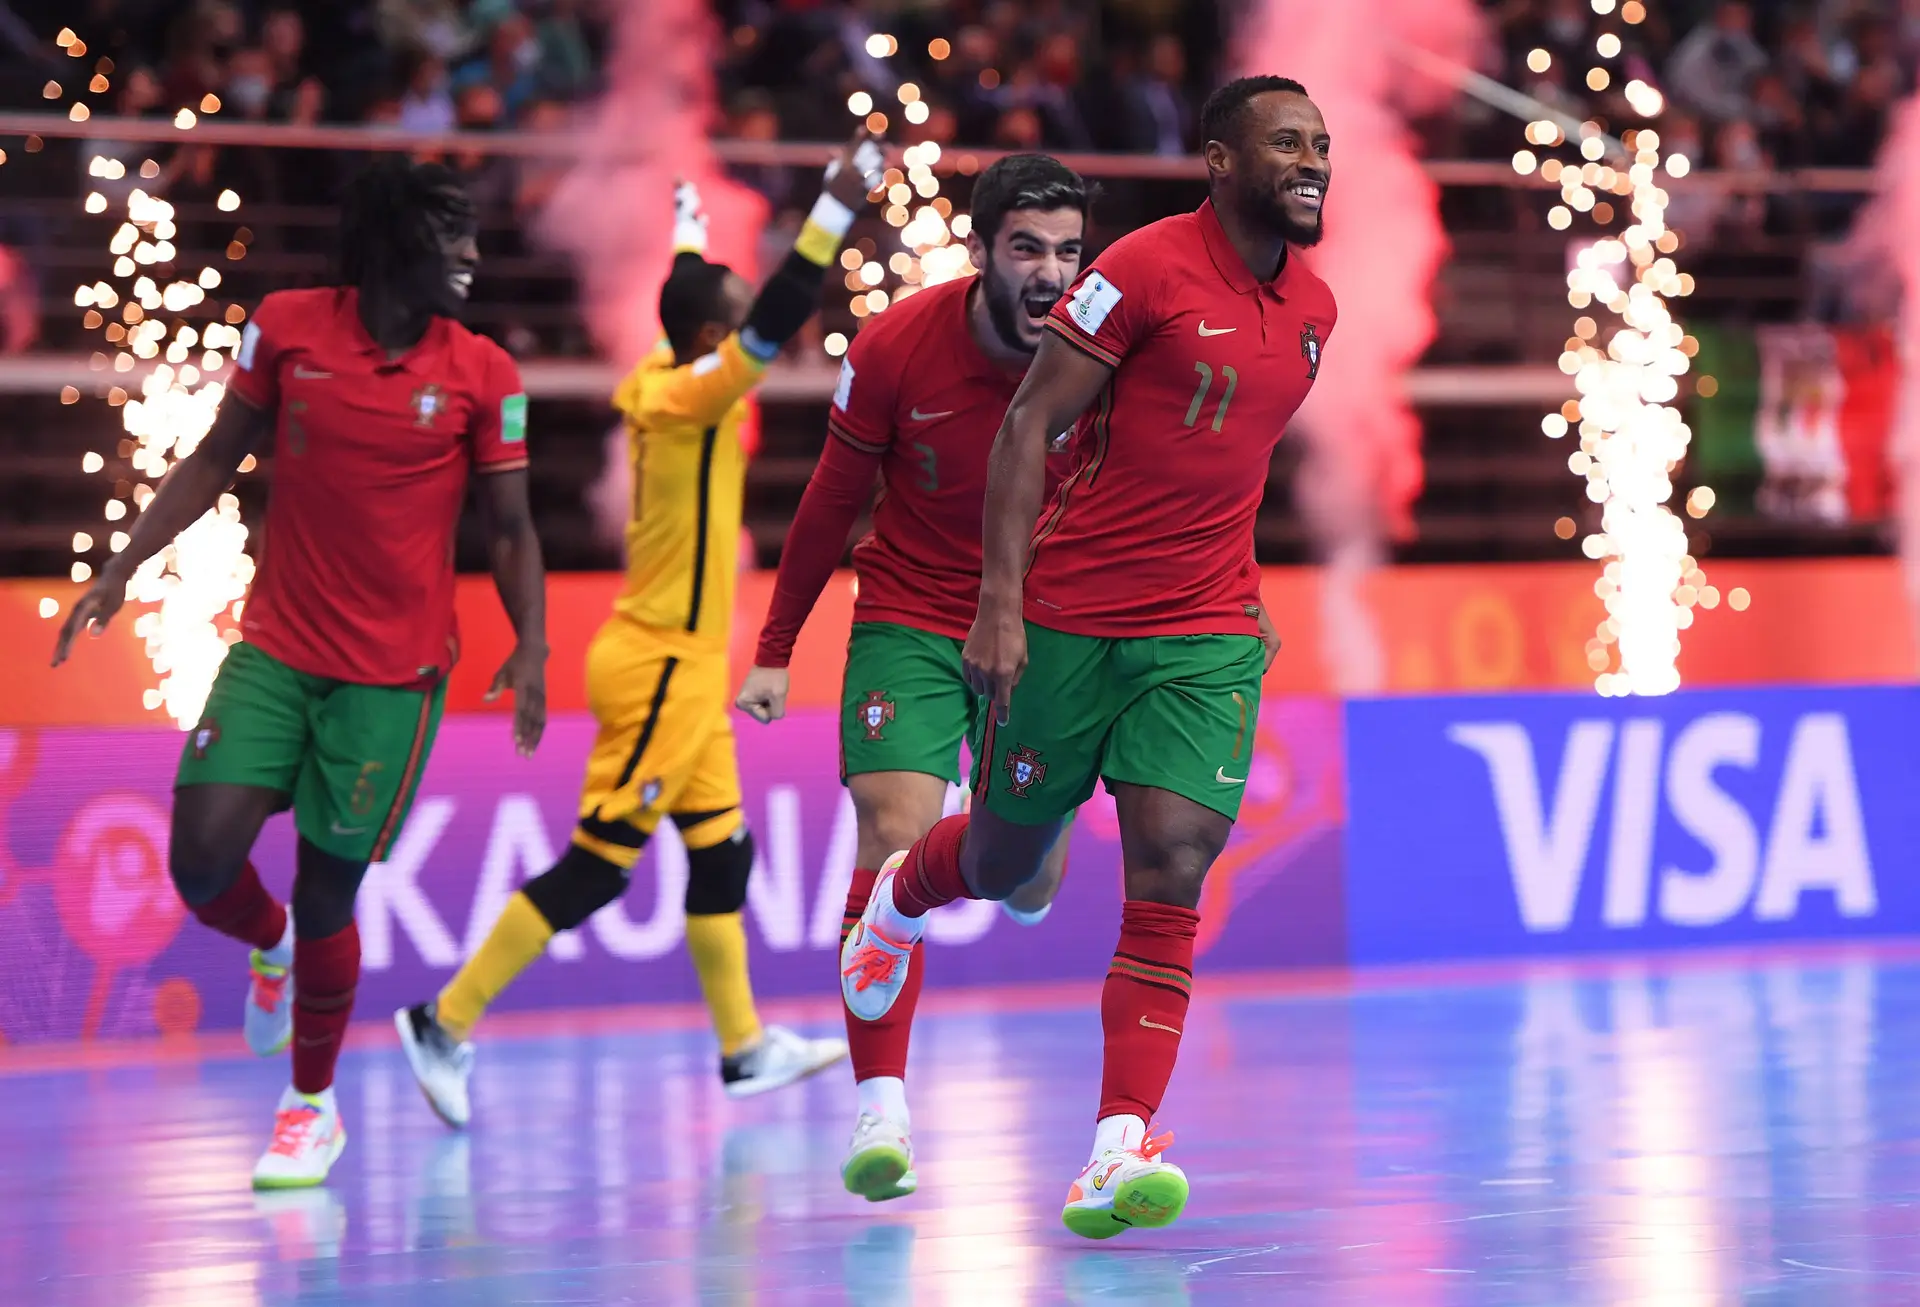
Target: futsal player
<point>921,391</point>
<point>378,405</point>
<point>1121,638</point>
<point>657,677</point>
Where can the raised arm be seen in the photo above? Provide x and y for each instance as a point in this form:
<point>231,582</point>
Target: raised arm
<point>190,489</point>
<point>1060,384</point>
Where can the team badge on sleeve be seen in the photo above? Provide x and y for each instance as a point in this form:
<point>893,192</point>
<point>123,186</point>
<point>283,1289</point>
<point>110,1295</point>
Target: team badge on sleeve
<point>1310,350</point>
<point>513,419</point>
<point>1093,302</point>
<point>876,712</point>
<point>249,342</point>
<point>843,391</point>
<point>1024,770</point>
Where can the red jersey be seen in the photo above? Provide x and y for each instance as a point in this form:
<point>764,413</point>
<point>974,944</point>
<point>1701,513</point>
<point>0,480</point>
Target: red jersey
<point>1152,532</point>
<point>920,402</point>
<point>371,457</point>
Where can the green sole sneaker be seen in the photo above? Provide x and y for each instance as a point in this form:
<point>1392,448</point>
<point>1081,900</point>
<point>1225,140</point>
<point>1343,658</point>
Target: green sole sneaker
<point>1146,1202</point>
<point>879,1173</point>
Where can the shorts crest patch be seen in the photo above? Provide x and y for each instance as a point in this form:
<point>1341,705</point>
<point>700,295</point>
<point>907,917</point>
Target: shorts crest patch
<point>1024,770</point>
<point>650,793</point>
<point>876,712</point>
<point>205,736</point>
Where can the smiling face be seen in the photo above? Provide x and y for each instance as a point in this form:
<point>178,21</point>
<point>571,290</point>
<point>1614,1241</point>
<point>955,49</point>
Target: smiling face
<point>1275,170</point>
<point>456,230</point>
<point>1034,258</point>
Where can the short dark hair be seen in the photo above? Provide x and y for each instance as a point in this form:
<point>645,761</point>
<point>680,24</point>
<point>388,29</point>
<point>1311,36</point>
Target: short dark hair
<point>1220,115</point>
<point>690,299</point>
<point>386,222</point>
<point>1025,181</point>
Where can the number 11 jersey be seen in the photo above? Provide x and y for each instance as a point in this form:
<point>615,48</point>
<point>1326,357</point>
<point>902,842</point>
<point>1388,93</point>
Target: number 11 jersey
<point>1152,531</point>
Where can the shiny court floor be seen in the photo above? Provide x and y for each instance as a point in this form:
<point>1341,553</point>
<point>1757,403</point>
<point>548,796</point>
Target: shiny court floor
<point>1713,1130</point>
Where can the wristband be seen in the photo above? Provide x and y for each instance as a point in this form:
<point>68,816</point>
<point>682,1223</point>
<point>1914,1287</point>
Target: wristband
<point>826,226</point>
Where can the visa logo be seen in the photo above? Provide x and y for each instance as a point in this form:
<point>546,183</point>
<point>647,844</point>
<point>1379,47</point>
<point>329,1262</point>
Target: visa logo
<point>1813,840</point>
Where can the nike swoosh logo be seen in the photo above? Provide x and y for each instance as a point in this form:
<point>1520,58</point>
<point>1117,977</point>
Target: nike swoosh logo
<point>918,416</point>
<point>338,829</point>
<point>310,374</point>
<point>1220,774</point>
<point>1205,330</point>
<point>1155,1025</point>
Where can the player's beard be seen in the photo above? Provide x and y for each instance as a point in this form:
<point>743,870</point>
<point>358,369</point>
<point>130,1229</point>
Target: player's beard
<point>1275,215</point>
<point>1006,307</point>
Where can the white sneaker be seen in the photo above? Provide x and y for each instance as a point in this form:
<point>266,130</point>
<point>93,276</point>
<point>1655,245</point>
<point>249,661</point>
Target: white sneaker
<point>1125,1188</point>
<point>879,1161</point>
<point>441,1064</point>
<point>1033,918</point>
<point>307,1139</point>
<point>873,967</point>
<point>268,1024</point>
<point>780,1058</point>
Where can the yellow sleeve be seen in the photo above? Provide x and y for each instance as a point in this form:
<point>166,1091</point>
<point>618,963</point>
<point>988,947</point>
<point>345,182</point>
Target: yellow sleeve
<point>698,394</point>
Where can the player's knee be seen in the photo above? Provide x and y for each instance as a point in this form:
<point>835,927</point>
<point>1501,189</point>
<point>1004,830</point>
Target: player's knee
<point>890,820</point>
<point>1170,871</point>
<point>201,864</point>
<point>575,888</point>
<point>717,875</point>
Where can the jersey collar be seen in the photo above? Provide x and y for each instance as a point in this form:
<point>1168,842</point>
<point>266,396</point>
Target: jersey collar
<point>1228,262</point>
<point>413,360</point>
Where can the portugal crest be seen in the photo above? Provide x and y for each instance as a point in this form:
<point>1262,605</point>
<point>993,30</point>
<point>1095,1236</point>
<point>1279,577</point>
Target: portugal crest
<point>1024,770</point>
<point>1310,350</point>
<point>205,736</point>
<point>426,405</point>
<point>876,712</point>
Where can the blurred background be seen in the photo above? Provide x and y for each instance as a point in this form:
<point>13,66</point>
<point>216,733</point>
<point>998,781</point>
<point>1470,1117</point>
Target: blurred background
<point>1780,106</point>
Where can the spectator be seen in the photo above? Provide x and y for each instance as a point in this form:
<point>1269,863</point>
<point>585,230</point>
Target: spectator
<point>438,27</point>
<point>427,104</point>
<point>753,116</point>
<point>1713,69</point>
<point>19,303</point>
<point>510,66</point>
<point>489,178</point>
<point>1155,115</point>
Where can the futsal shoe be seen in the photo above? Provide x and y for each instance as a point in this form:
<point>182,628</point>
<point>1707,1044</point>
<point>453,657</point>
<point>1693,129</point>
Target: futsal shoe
<point>441,1064</point>
<point>307,1139</point>
<point>776,1061</point>
<point>268,1024</point>
<point>873,966</point>
<point>879,1161</point>
<point>1126,1188</point>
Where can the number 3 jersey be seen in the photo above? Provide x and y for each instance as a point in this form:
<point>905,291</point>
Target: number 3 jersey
<point>919,401</point>
<point>1152,531</point>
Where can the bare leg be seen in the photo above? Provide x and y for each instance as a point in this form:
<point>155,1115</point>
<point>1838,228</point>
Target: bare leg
<point>1039,892</point>
<point>214,827</point>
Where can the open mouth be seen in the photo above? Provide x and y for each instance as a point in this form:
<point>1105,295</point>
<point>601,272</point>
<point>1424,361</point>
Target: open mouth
<point>1036,307</point>
<point>1309,194</point>
<point>462,282</point>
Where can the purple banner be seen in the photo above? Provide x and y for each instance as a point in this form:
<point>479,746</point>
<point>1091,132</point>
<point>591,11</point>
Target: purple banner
<point>94,944</point>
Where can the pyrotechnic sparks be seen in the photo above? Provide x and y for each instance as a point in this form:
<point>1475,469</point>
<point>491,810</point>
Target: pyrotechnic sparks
<point>1631,437</point>
<point>932,239</point>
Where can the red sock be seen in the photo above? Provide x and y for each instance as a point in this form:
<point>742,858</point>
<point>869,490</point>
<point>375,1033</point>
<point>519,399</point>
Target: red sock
<point>246,912</point>
<point>1143,1007</point>
<point>325,972</point>
<point>879,1048</point>
<point>930,878</point>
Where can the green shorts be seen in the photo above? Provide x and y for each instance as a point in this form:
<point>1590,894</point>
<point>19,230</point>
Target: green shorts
<point>905,705</point>
<point>349,757</point>
<point>1176,712</point>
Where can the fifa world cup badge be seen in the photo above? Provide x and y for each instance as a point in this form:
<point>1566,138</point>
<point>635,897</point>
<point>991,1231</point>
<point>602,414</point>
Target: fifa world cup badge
<point>1310,350</point>
<point>426,405</point>
<point>1024,771</point>
<point>876,712</point>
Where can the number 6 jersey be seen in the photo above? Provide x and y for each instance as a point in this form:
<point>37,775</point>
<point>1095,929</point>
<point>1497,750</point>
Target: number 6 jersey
<point>1152,531</point>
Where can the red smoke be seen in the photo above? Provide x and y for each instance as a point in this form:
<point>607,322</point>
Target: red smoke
<point>1383,245</point>
<point>614,210</point>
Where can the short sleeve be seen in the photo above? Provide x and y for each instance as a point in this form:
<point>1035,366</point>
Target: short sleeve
<point>256,370</point>
<point>862,413</point>
<point>1111,308</point>
<point>499,425</point>
<point>698,394</point>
